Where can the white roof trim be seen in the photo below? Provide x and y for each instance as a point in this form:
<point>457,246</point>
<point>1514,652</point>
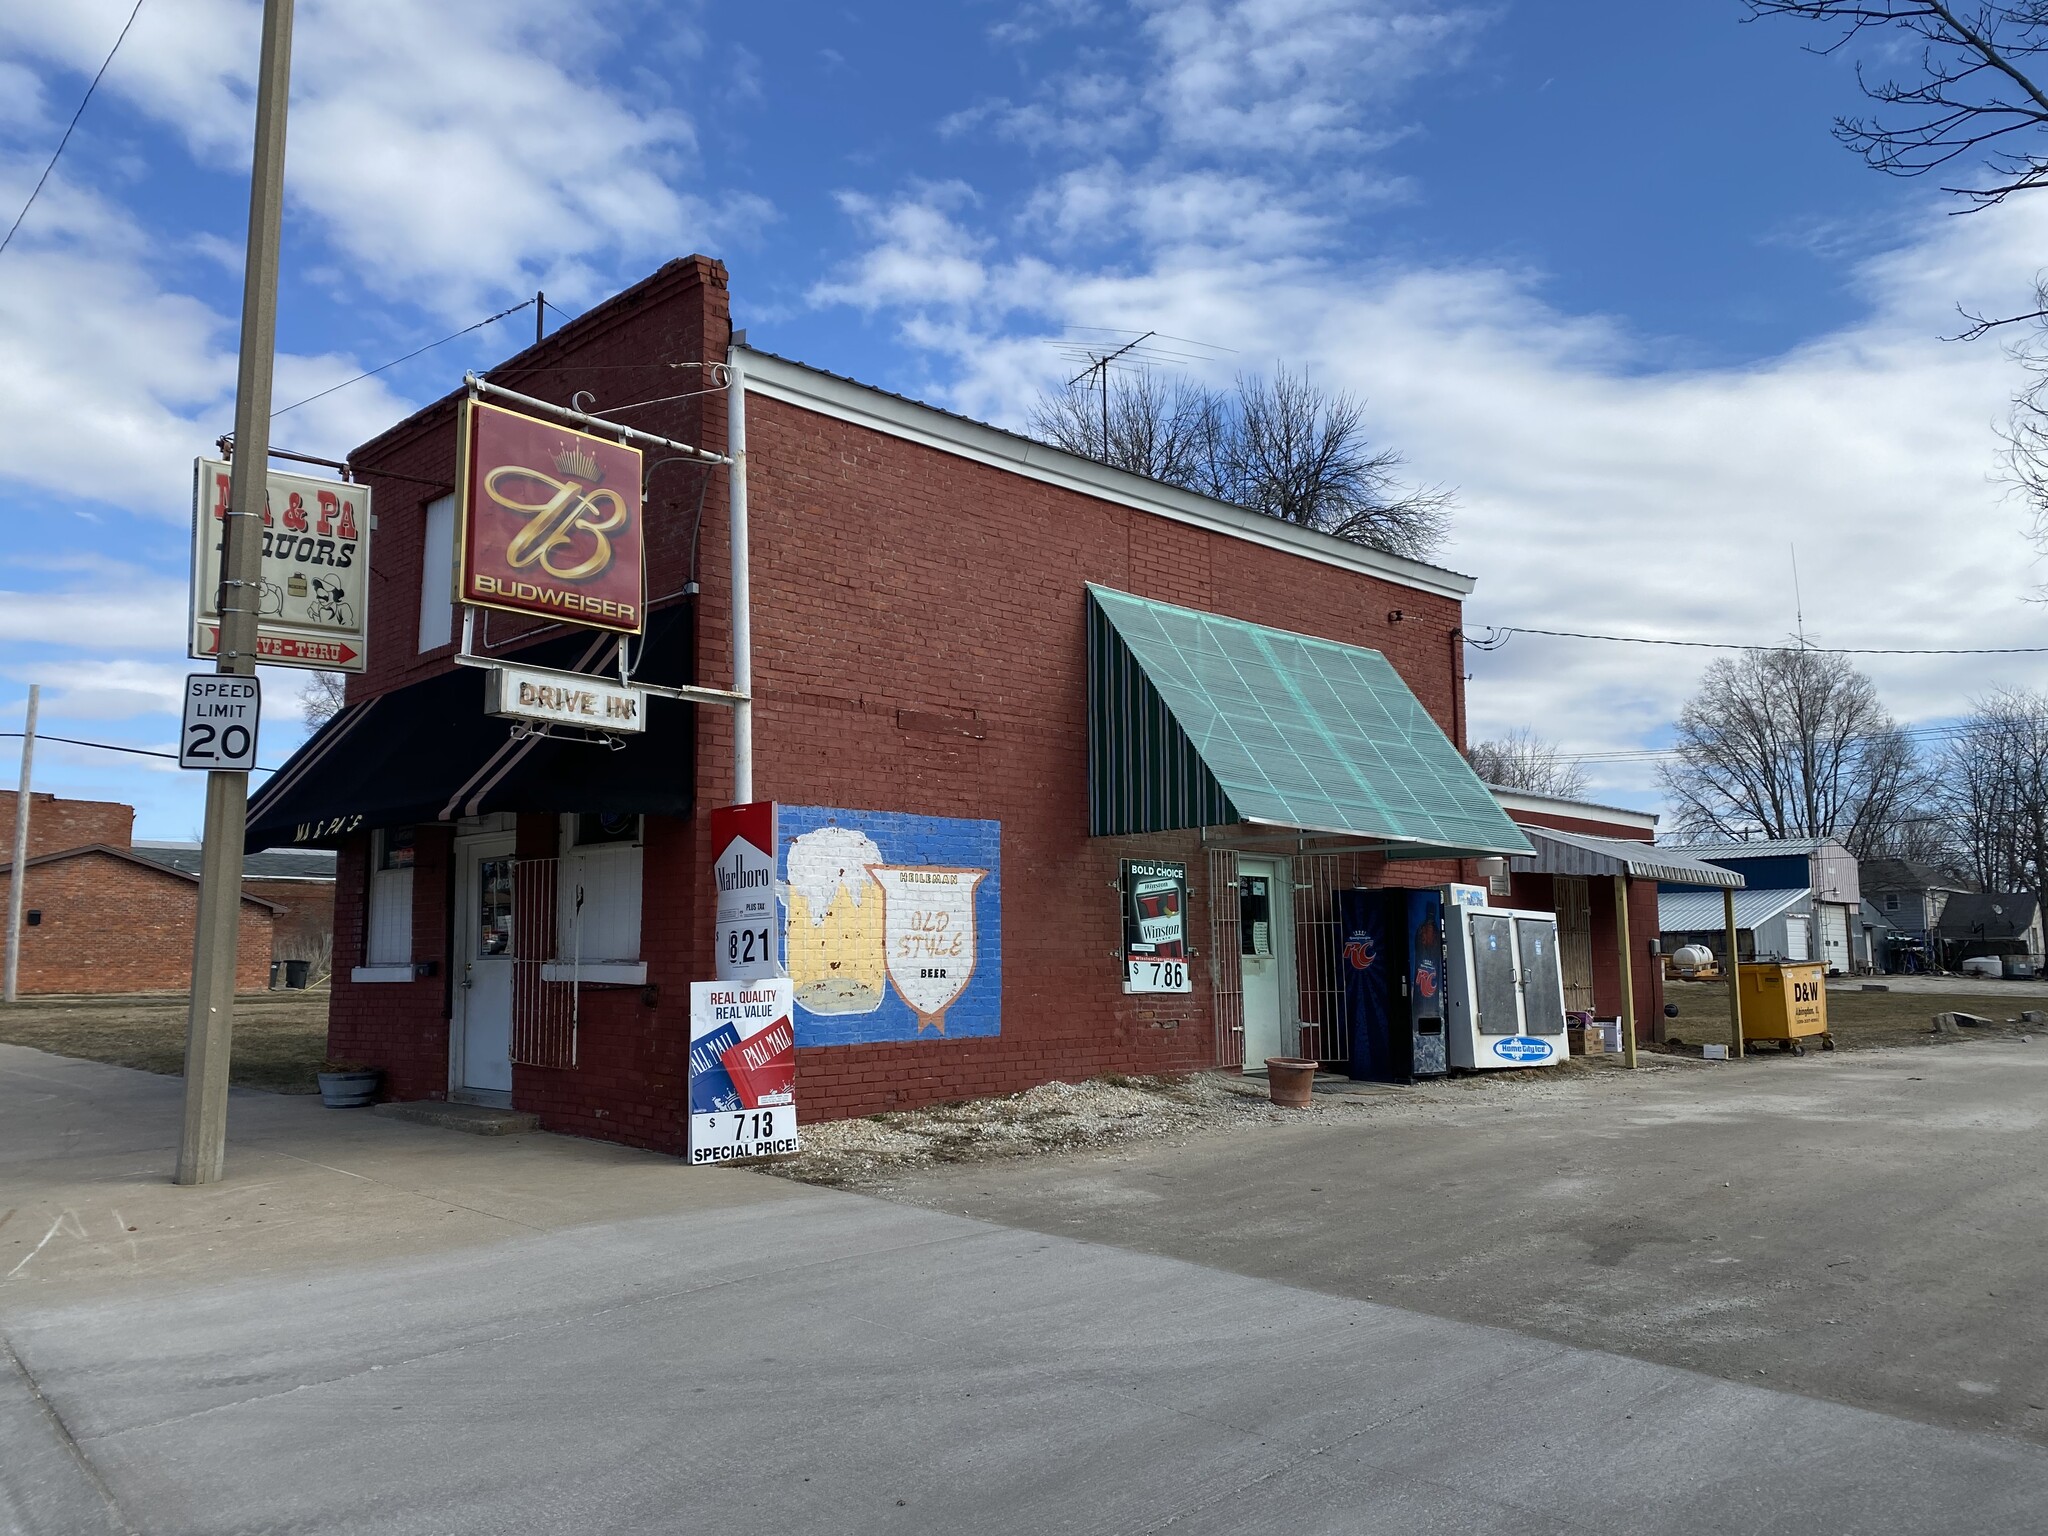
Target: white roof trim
<point>811,389</point>
<point>1551,805</point>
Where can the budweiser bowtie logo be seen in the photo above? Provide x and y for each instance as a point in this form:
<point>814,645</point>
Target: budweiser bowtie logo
<point>551,521</point>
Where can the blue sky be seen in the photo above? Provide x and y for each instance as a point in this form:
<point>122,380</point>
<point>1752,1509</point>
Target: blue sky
<point>1595,263</point>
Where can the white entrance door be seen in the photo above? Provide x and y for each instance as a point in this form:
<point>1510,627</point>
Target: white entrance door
<point>1834,937</point>
<point>1261,899</point>
<point>1796,946</point>
<point>480,1034</point>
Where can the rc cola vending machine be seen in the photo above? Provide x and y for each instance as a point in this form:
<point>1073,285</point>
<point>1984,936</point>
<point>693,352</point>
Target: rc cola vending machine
<point>1391,961</point>
<point>1504,985</point>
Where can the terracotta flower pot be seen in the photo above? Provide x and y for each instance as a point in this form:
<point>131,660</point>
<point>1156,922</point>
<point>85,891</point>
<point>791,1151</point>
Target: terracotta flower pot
<point>1290,1080</point>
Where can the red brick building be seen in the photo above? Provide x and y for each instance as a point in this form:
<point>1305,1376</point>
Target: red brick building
<point>102,913</point>
<point>101,919</point>
<point>969,650</point>
<point>1590,863</point>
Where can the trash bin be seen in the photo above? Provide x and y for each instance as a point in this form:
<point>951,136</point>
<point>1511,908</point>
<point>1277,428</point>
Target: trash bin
<point>1787,1003</point>
<point>296,971</point>
<point>276,974</point>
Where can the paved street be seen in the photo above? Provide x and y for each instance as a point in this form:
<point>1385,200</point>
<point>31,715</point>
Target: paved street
<point>435,1333</point>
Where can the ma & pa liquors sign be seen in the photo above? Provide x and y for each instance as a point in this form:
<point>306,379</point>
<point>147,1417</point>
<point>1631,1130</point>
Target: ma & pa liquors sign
<point>550,521</point>
<point>312,600</point>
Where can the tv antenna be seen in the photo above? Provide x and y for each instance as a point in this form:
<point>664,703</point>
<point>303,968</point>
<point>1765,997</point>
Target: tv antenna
<point>1104,350</point>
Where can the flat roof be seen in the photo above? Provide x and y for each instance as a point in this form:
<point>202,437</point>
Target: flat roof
<point>880,410</point>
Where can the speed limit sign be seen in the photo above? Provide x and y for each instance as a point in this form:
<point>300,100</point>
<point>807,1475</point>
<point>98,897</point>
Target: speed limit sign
<point>221,712</point>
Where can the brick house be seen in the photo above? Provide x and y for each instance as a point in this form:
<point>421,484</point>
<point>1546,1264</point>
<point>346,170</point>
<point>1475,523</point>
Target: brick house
<point>97,921</point>
<point>101,919</point>
<point>970,650</point>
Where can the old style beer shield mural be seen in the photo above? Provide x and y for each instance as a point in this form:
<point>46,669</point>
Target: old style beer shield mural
<point>551,521</point>
<point>892,924</point>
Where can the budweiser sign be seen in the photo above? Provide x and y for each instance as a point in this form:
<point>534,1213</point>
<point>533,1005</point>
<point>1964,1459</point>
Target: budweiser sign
<point>551,521</point>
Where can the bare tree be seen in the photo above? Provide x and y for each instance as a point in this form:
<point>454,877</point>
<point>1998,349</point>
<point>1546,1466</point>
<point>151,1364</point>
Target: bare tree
<point>1993,791</point>
<point>1791,743</point>
<point>1287,448</point>
<point>1979,95</point>
<point>323,696</point>
<point>1143,425</point>
<point>1973,98</point>
<point>1523,760</point>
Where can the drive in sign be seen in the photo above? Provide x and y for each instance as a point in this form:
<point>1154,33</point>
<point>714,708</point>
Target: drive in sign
<point>312,606</point>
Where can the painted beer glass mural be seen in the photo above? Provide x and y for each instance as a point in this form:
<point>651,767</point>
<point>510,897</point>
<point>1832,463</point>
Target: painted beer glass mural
<point>892,924</point>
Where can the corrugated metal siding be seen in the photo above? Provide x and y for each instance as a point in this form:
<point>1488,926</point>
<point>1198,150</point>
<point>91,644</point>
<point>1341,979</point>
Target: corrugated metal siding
<point>1289,730</point>
<point>1144,775</point>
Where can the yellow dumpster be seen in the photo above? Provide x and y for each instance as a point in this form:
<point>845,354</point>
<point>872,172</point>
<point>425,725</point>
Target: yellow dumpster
<point>1786,1003</point>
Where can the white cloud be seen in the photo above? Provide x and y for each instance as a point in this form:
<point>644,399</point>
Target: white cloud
<point>1294,77</point>
<point>453,153</point>
<point>1600,487</point>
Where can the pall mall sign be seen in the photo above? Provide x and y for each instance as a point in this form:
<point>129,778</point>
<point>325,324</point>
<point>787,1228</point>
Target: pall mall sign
<point>312,607</point>
<point>550,521</point>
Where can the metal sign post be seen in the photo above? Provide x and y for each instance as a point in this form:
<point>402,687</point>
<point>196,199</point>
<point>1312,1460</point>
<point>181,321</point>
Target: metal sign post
<point>18,874</point>
<point>209,1029</point>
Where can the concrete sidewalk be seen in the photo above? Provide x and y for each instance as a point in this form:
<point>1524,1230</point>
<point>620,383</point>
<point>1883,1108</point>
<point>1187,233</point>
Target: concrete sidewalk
<point>452,1350</point>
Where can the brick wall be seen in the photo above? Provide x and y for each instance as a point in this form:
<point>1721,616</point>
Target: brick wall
<point>55,825</point>
<point>1591,826</point>
<point>304,928</point>
<point>399,1026</point>
<point>111,925</point>
<point>919,647</point>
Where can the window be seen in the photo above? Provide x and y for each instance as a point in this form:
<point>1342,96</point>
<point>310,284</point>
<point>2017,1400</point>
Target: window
<point>437,574</point>
<point>598,910</point>
<point>387,929</point>
<point>1891,901</point>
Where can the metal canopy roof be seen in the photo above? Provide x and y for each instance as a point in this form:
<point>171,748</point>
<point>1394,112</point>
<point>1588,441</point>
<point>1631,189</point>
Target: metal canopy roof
<point>1699,911</point>
<point>1579,853</point>
<point>1196,720</point>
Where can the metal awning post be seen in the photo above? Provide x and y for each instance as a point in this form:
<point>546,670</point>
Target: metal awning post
<point>1734,975</point>
<point>1628,973</point>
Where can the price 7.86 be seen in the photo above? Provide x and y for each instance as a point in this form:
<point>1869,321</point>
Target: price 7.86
<point>1158,976</point>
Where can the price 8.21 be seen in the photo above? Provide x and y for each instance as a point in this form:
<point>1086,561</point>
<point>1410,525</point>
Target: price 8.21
<point>748,946</point>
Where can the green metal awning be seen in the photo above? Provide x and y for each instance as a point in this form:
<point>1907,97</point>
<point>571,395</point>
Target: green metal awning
<point>1201,721</point>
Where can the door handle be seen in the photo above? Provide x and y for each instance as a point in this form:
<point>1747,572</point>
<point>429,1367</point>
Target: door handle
<point>466,972</point>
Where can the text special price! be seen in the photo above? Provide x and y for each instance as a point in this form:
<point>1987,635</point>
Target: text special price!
<point>742,1071</point>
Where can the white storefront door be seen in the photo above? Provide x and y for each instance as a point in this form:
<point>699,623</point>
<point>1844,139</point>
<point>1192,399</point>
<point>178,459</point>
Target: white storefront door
<point>1262,896</point>
<point>480,1034</point>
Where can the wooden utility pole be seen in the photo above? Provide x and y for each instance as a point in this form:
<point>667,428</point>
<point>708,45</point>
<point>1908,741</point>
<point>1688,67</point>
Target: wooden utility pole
<point>18,874</point>
<point>1628,973</point>
<point>1734,974</point>
<point>209,1027</point>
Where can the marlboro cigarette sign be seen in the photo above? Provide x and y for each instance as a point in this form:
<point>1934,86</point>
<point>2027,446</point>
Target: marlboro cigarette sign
<point>551,521</point>
<point>742,1071</point>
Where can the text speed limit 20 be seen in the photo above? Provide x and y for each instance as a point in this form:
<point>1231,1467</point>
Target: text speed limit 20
<point>743,1133</point>
<point>220,721</point>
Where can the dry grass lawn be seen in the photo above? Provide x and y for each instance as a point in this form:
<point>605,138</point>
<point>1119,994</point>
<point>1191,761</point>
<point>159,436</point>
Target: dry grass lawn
<point>280,1037</point>
<point>1857,1019</point>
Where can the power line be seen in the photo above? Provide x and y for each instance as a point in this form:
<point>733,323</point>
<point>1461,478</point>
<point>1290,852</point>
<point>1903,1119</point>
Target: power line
<point>344,384</point>
<point>37,192</point>
<point>1495,638</point>
<point>108,746</point>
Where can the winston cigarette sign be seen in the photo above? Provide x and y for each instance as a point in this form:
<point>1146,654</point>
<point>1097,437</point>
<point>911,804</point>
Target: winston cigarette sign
<point>551,521</point>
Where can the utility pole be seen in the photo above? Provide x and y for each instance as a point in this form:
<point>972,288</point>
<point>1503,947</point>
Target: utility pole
<point>540,316</point>
<point>209,1029</point>
<point>18,874</point>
